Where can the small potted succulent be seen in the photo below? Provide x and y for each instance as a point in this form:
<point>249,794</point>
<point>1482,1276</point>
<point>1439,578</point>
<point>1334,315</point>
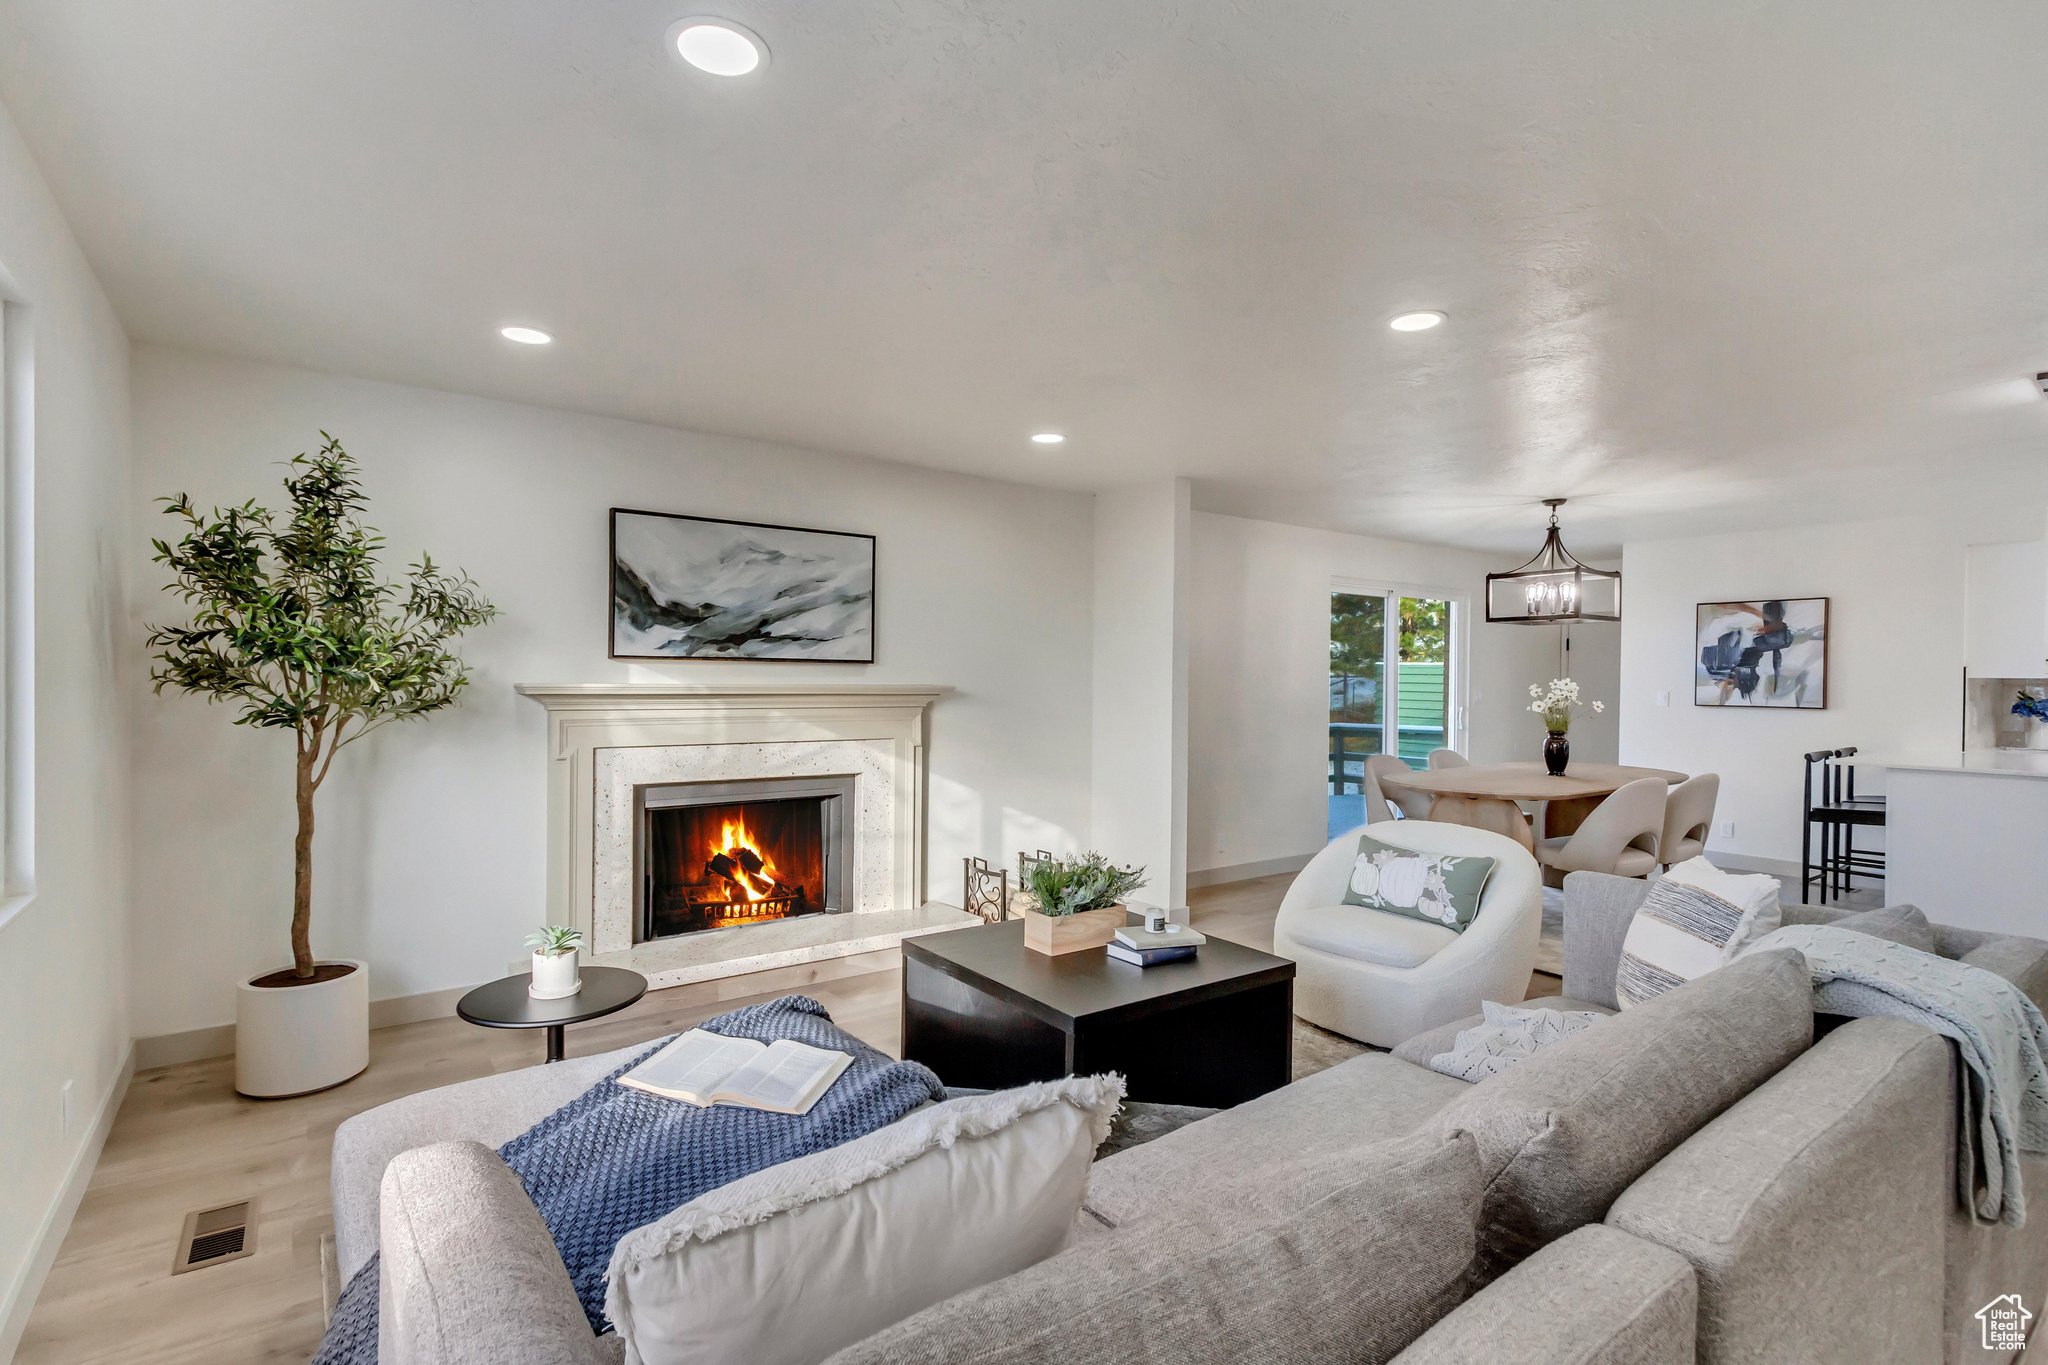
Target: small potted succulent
<point>555,973</point>
<point>1073,904</point>
<point>1556,705</point>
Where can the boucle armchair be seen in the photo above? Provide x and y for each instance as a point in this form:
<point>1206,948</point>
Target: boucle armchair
<point>1383,978</point>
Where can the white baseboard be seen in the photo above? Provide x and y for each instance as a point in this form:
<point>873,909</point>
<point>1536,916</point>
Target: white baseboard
<point>218,1040</point>
<point>42,1250</point>
<point>1244,872</point>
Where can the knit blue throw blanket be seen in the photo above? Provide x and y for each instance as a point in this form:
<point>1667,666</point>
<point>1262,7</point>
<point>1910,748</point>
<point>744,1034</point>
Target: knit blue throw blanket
<point>615,1158</point>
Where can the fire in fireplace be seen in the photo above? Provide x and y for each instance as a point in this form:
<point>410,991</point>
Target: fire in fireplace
<point>718,854</point>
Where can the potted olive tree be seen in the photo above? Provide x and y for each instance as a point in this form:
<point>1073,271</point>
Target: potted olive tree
<point>293,624</point>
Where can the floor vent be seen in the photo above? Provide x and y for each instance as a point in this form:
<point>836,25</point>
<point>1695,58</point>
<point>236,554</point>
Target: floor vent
<point>211,1236</point>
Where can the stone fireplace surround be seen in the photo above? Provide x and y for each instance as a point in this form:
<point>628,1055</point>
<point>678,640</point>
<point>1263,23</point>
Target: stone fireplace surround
<point>606,739</point>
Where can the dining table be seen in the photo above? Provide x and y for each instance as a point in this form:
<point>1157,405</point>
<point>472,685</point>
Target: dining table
<point>1486,796</point>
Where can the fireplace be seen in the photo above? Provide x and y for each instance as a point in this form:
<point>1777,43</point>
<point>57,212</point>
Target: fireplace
<point>716,855</point>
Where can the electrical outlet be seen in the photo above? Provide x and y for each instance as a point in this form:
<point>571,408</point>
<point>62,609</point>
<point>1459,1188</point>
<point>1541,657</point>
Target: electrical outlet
<point>64,1109</point>
<point>1663,699</point>
<point>1727,829</point>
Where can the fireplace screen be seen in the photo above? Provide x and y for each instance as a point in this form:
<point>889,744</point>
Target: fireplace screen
<point>718,854</point>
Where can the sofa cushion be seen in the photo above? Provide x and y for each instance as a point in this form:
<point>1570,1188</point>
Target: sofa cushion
<point>1900,924</point>
<point>1436,888</point>
<point>1444,1037</point>
<point>469,1274</point>
<point>1595,1297</point>
<point>1330,1114</point>
<point>787,1265</point>
<point>1371,935</point>
<point>1695,918</point>
<point>1353,1276</point>
<point>1565,1132</point>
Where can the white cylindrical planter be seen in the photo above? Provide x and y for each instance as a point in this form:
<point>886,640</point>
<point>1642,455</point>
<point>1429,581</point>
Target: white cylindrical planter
<point>291,1040</point>
<point>556,976</point>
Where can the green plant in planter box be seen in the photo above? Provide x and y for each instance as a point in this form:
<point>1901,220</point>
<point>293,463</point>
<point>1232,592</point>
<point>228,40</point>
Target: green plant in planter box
<point>293,623</point>
<point>555,939</point>
<point>1068,886</point>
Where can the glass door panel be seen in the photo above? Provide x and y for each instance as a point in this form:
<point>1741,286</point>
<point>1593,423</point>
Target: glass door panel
<point>1358,675</point>
<point>1423,679</point>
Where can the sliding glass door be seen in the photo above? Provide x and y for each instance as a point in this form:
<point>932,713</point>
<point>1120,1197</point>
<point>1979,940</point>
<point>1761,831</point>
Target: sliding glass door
<point>1391,666</point>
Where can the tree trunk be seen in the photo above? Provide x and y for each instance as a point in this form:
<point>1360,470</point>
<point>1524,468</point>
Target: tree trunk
<point>302,870</point>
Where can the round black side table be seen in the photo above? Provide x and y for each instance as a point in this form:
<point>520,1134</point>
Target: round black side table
<point>504,1003</point>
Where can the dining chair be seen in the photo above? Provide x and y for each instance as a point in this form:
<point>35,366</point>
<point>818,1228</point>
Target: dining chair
<point>1447,758</point>
<point>1688,818</point>
<point>1619,837</point>
<point>1413,805</point>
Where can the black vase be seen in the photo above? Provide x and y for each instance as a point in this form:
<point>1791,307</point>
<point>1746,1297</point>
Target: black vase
<point>1557,751</point>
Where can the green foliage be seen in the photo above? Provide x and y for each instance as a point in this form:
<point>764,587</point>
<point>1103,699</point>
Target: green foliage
<point>294,623</point>
<point>1358,633</point>
<point>555,939</point>
<point>1425,631</point>
<point>1067,886</point>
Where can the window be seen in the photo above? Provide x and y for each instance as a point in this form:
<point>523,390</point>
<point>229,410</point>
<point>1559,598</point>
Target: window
<point>1394,660</point>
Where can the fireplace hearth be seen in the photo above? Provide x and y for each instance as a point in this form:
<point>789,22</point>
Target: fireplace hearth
<point>717,855</point>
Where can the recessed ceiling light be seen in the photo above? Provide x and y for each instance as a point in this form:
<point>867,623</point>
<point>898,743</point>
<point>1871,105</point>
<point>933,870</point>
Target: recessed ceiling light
<point>1416,322</point>
<point>525,336</point>
<point>718,46</point>
<point>1049,438</point>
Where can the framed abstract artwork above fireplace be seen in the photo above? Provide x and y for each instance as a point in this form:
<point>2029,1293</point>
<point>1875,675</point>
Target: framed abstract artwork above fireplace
<point>686,587</point>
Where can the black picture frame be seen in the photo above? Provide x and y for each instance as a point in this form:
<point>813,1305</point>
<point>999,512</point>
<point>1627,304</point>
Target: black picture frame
<point>858,548</point>
<point>1727,668</point>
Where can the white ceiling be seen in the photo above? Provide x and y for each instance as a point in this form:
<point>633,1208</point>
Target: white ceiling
<point>1705,264</point>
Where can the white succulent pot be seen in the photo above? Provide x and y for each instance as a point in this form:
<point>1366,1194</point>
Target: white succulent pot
<point>555,976</point>
<point>291,1040</point>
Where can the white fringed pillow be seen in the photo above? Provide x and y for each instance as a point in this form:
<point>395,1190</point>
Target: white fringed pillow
<point>792,1263</point>
<point>1695,918</point>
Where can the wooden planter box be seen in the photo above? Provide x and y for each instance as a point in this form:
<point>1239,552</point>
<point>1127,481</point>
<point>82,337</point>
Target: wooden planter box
<point>1056,934</point>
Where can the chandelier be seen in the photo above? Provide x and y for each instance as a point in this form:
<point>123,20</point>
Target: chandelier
<point>1553,586</point>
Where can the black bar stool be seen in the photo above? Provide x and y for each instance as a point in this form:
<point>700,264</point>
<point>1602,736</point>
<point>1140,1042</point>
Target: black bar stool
<point>1839,812</point>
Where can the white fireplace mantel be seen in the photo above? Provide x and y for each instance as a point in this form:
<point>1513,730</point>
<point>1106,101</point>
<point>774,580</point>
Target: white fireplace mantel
<point>688,731</point>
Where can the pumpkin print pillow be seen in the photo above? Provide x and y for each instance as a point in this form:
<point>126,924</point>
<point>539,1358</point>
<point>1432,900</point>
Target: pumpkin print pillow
<point>1438,888</point>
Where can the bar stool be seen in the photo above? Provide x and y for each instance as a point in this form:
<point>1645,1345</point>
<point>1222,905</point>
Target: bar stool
<point>1839,812</point>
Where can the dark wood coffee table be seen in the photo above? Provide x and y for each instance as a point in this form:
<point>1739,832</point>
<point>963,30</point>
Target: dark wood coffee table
<point>983,1011</point>
<point>504,1003</point>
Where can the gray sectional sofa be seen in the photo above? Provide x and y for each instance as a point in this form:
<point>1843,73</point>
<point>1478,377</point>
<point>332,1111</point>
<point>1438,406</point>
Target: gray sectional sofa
<point>1696,1179</point>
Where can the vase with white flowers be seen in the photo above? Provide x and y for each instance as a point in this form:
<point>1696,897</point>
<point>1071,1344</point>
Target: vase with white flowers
<point>1556,704</point>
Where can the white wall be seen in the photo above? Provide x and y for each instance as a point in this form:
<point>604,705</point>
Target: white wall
<point>1259,666</point>
<point>1895,659</point>
<point>64,1008</point>
<point>1141,683</point>
<point>1595,660</point>
<point>429,859</point>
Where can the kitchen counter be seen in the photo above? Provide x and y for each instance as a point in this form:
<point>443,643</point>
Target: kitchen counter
<point>1963,836</point>
<point>1993,762</point>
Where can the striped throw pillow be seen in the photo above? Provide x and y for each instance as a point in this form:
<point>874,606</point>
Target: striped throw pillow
<point>1695,918</point>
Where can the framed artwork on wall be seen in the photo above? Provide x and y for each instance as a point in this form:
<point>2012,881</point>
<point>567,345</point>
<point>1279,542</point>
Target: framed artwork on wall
<point>687,587</point>
<point>1767,653</point>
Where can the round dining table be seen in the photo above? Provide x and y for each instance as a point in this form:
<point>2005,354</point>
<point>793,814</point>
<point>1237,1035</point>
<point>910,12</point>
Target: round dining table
<point>1485,796</point>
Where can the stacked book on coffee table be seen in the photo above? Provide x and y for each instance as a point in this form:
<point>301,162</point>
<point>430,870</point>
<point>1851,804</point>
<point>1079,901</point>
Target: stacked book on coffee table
<point>1144,947</point>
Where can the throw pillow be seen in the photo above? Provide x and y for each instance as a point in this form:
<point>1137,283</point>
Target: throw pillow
<point>1355,1272</point>
<point>1507,1036</point>
<point>1562,1134</point>
<point>791,1263</point>
<point>1900,924</point>
<point>1440,888</point>
<point>1695,918</point>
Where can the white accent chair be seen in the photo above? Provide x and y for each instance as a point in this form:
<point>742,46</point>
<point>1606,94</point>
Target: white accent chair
<point>1618,838</point>
<point>1384,978</point>
<point>1412,804</point>
<point>1688,816</point>
<point>1448,758</point>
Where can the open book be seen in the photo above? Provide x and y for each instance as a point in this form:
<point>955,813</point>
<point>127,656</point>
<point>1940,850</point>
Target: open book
<point>703,1069</point>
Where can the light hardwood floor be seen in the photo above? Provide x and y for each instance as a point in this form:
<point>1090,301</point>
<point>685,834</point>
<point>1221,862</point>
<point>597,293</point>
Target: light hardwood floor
<point>184,1140</point>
